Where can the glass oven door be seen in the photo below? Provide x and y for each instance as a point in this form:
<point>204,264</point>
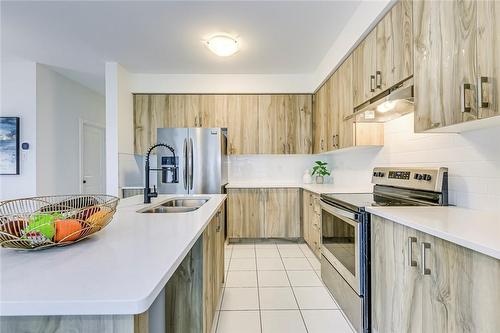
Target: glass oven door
<point>340,233</point>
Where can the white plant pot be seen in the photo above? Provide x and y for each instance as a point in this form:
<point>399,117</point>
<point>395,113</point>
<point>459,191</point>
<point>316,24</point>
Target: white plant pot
<point>320,179</point>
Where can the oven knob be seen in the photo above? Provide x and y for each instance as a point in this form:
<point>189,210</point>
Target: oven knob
<point>416,176</point>
<point>420,177</point>
<point>375,174</point>
<point>381,174</point>
<point>427,177</point>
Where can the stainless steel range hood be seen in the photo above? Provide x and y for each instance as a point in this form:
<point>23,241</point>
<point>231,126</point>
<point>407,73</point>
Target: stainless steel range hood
<point>389,105</point>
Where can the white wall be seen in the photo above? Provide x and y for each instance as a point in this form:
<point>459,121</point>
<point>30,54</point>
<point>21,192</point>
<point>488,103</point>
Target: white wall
<point>473,159</point>
<point>220,83</point>
<point>18,99</point>
<point>61,103</point>
<point>119,125</point>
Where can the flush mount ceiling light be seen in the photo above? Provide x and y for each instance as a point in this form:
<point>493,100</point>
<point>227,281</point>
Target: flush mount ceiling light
<point>222,45</point>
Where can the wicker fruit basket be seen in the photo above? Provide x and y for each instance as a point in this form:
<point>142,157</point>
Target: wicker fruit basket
<point>43,222</point>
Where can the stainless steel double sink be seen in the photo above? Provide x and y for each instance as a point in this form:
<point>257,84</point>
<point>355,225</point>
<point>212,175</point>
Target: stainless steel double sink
<point>176,205</point>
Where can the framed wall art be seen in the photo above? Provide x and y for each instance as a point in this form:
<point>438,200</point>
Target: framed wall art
<point>9,145</point>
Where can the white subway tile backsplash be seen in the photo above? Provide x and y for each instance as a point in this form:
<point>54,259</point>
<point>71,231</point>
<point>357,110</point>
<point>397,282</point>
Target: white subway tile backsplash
<point>473,160</point>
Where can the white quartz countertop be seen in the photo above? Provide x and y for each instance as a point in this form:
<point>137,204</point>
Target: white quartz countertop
<point>476,230</point>
<point>316,188</point>
<point>119,270</point>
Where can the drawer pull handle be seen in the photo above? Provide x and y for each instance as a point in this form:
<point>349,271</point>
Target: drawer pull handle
<point>411,262</point>
<point>463,101</point>
<point>482,103</point>
<point>378,79</point>
<point>425,270</point>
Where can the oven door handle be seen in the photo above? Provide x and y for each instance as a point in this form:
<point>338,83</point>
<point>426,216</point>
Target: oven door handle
<point>339,212</point>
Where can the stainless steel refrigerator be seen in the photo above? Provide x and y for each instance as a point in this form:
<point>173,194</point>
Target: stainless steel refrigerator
<point>201,160</point>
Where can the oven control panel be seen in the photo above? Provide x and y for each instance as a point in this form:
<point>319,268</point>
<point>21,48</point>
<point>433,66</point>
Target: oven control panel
<point>429,179</point>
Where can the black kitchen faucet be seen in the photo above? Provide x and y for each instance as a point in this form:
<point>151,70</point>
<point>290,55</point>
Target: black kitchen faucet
<point>147,190</point>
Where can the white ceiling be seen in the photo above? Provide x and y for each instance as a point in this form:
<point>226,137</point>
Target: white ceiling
<point>77,38</point>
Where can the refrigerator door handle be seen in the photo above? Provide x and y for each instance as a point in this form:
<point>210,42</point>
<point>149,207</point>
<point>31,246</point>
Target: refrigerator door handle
<point>185,175</point>
<point>191,169</point>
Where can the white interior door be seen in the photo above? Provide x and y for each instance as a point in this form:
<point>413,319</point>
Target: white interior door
<point>93,164</point>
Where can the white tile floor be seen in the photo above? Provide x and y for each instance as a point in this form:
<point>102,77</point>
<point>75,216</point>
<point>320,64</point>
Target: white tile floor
<point>276,288</point>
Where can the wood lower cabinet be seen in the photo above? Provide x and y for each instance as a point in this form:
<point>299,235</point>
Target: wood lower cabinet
<point>282,213</point>
<point>311,221</point>
<point>245,213</point>
<point>263,213</point>
<point>213,268</point>
<point>459,291</point>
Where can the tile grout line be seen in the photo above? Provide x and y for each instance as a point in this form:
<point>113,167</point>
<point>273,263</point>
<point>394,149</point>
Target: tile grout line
<point>258,290</point>
<point>293,291</point>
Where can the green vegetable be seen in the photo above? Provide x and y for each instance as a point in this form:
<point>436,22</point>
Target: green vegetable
<point>320,169</point>
<point>44,224</point>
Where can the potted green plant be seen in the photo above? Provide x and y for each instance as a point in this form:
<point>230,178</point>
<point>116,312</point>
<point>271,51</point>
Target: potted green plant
<point>320,170</point>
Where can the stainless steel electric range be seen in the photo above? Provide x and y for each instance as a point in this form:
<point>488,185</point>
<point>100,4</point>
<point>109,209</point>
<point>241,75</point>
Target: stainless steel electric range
<point>345,260</point>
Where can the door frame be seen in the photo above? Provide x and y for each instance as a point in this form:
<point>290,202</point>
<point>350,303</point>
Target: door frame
<point>81,124</point>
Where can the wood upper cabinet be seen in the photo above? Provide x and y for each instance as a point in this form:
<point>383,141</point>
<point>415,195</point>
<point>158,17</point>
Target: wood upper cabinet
<point>213,110</point>
<point>285,124</point>
<point>488,58</point>
<point>333,113</point>
<point>385,57</point>
<point>272,124</point>
<point>243,124</point>
<point>321,110</point>
<point>245,213</point>
<point>459,291</point>
<point>282,212</point>
<point>364,68</point>
<point>299,122</point>
<point>402,41</point>
<point>192,115</point>
<point>445,38</point>
<point>344,104</point>
<point>394,40</point>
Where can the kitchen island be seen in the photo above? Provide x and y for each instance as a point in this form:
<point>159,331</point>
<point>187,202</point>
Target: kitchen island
<point>108,280</point>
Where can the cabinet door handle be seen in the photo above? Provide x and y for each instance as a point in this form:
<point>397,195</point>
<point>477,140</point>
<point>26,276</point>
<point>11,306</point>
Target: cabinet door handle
<point>289,149</point>
<point>284,148</point>
<point>378,79</point>
<point>218,222</point>
<point>372,83</point>
<point>463,103</point>
<point>481,103</point>
<point>411,262</point>
<point>425,270</point>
